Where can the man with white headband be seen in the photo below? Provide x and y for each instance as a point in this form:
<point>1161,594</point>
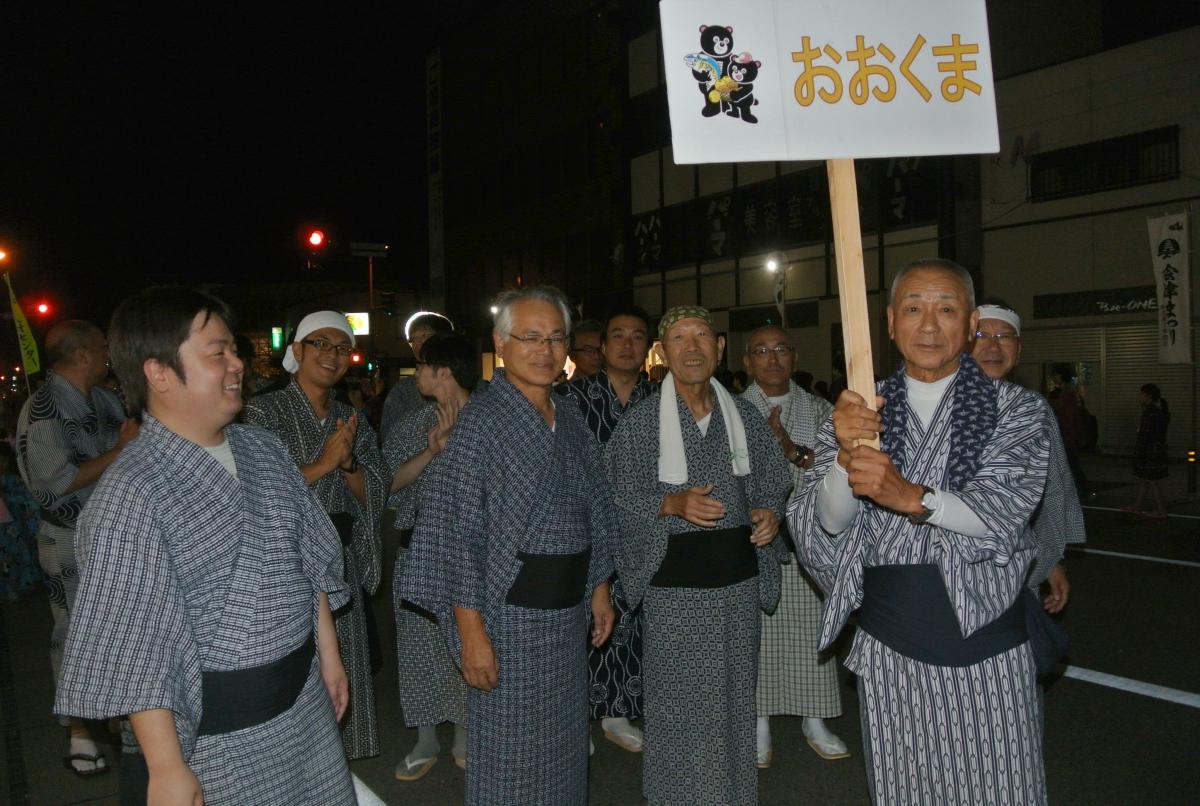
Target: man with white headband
<point>699,485</point>
<point>1059,519</point>
<point>340,460</point>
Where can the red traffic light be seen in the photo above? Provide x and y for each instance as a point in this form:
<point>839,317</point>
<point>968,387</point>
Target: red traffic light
<point>316,239</point>
<point>43,308</point>
<point>356,358</point>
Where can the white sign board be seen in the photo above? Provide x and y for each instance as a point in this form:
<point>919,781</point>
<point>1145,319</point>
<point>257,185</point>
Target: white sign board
<point>827,79</point>
<point>1169,256</point>
<point>360,323</point>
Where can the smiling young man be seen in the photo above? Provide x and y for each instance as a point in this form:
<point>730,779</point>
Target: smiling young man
<point>927,538</point>
<point>208,574</point>
<point>339,457</point>
<point>1059,519</point>
<point>510,550</point>
<point>699,484</point>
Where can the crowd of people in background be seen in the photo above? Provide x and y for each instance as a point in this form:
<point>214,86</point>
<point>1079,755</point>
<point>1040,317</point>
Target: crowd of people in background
<point>657,541</point>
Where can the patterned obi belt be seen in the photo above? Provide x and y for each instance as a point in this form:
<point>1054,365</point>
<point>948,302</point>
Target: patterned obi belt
<point>550,581</point>
<point>907,609</point>
<point>709,558</point>
<point>243,698</point>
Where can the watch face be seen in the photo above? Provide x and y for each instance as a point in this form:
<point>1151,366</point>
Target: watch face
<point>928,500</point>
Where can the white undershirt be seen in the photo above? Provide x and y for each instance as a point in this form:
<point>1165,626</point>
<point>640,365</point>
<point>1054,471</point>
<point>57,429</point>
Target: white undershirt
<point>702,424</point>
<point>837,506</point>
<point>223,454</point>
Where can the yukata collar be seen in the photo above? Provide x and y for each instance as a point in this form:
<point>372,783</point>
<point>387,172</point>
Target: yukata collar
<point>973,417</point>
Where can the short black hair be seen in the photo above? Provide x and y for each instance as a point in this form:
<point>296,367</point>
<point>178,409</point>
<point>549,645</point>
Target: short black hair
<point>66,338</point>
<point>457,354</point>
<point>627,310</point>
<point>429,321</point>
<point>586,326</point>
<point>153,324</point>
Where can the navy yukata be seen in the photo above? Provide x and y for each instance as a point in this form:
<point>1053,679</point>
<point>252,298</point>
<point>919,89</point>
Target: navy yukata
<point>508,484</point>
<point>187,569</point>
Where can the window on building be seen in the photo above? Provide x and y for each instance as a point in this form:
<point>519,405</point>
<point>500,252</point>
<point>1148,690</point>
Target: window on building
<point>1119,162</point>
<point>643,63</point>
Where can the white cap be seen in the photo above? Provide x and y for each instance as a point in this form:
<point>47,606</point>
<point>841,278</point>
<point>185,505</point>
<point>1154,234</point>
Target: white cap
<point>1001,313</point>
<point>318,320</point>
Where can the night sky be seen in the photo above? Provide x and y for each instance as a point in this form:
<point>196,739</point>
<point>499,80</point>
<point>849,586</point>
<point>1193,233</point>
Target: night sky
<point>196,145</point>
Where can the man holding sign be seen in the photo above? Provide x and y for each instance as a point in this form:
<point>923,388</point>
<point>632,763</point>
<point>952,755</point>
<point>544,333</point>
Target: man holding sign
<point>928,536</point>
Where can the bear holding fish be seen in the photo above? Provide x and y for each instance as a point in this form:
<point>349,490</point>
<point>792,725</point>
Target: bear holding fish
<point>726,81</point>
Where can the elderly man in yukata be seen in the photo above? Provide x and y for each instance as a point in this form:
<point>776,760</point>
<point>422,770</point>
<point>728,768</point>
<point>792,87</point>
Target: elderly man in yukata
<point>794,679</point>
<point>208,572</point>
<point>699,484</point>
<point>68,433</point>
<point>928,536</point>
<point>510,548</point>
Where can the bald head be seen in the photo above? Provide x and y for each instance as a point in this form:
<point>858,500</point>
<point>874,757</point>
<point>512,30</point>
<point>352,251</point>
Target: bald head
<point>770,359</point>
<point>65,339</point>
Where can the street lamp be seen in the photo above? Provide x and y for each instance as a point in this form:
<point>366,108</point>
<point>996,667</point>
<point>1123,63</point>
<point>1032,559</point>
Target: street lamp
<point>777,264</point>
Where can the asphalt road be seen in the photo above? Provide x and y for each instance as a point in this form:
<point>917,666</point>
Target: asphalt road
<point>1131,617</point>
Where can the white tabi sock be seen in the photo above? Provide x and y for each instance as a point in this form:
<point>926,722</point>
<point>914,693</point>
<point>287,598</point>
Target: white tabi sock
<point>764,733</point>
<point>427,743</point>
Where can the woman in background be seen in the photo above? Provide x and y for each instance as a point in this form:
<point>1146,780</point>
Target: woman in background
<point>1150,450</point>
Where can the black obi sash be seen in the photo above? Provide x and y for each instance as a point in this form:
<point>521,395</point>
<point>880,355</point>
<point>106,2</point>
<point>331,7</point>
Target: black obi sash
<point>707,558</point>
<point>550,581</point>
<point>243,698</point>
<point>906,608</point>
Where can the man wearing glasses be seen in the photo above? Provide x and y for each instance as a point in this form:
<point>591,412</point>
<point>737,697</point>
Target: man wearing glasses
<point>794,678</point>
<point>1059,519</point>
<point>511,546</point>
<point>339,458</point>
<point>586,340</point>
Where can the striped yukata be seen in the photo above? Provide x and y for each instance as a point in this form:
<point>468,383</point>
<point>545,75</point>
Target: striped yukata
<point>615,669</point>
<point>508,484</point>
<point>943,734</point>
<point>794,677</point>
<point>1058,519</point>
<point>187,568</point>
<point>289,415</point>
<point>58,429</point>
<point>432,689</point>
<point>700,650</point>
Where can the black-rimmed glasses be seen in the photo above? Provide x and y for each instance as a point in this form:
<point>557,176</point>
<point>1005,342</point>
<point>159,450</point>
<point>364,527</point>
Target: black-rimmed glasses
<point>326,346</point>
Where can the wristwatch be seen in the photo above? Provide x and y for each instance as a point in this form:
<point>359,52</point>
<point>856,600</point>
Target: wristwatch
<point>801,455</point>
<point>928,500</point>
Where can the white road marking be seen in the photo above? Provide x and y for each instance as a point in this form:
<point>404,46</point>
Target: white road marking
<point>364,794</point>
<point>1145,557</point>
<point>1133,686</point>
<point>1118,509</point>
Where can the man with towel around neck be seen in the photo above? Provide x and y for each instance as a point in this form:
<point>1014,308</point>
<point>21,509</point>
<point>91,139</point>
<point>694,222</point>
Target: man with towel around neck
<point>699,483</point>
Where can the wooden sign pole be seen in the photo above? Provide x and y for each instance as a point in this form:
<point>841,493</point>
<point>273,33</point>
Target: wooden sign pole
<point>852,285</point>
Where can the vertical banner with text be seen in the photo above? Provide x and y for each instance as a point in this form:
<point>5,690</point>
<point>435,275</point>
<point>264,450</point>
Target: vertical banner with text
<point>1169,256</point>
<point>29,351</point>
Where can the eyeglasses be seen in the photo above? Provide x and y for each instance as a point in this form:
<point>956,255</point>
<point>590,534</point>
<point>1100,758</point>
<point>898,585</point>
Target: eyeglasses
<point>585,349</point>
<point>780,351</point>
<point>326,346</point>
<point>555,342</point>
<point>999,338</point>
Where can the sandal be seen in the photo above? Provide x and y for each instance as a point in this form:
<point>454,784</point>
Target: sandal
<point>98,761</point>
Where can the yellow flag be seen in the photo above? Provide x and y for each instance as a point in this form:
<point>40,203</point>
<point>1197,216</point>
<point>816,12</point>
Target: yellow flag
<point>29,351</point>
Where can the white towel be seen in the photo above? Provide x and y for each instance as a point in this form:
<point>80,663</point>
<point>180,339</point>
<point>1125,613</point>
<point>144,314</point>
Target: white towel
<point>672,461</point>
